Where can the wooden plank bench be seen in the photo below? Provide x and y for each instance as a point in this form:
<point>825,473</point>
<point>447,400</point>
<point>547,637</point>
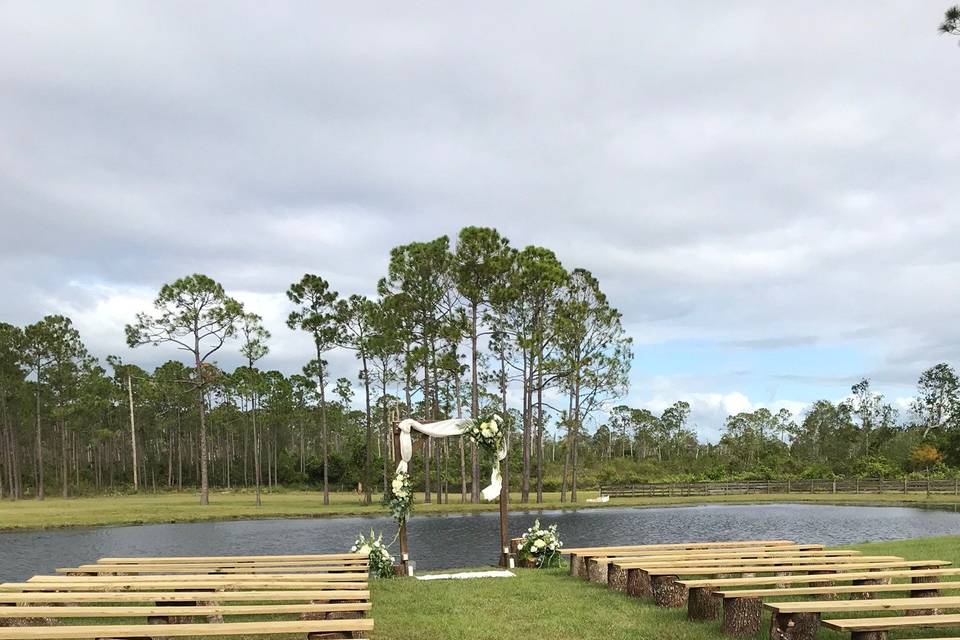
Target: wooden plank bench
<point>132,569</point>
<point>664,583</point>
<point>171,585</point>
<point>41,597</point>
<point>179,610</point>
<point>579,555</point>
<point>800,620</point>
<point>313,628</point>
<point>877,628</point>
<point>208,577</point>
<point>239,559</point>
<point>742,607</point>
<point>601,569</point>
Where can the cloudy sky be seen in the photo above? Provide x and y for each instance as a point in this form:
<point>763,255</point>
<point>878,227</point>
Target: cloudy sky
<point>768,191</point>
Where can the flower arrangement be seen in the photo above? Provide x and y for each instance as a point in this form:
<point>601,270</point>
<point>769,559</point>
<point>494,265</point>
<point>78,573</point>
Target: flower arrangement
<point>541,547</point>
<point>381,562</point>
<point>487,433</point>
<point>400,499</point>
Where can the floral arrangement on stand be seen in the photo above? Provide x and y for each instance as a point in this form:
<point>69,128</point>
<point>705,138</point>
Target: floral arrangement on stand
<point>381,562</point>
<point>400,498</point>
<point>487,434</point>
<point>540,548</point>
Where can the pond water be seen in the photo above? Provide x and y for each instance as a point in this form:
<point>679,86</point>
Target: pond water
<point>441,542</point>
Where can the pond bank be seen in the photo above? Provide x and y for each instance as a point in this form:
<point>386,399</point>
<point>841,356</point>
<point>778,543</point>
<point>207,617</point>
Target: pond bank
<point>183,507</point>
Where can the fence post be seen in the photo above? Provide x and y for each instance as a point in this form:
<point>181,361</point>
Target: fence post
<point>834,485</point>
<point>904,485</point>
<point>857,490</point>
<point>788,485</point>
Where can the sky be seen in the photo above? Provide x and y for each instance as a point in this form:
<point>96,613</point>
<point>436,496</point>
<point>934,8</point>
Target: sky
<point>767,191</point>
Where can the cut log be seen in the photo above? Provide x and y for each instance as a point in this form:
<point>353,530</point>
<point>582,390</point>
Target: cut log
<point>703,604</point>
<point>794,626</point>
<point>638,584</point>
<point>597,571</point>
<point>617,578</point>
<point>741,616</point>
<point>867,595</point>
<point>868,635</point>
<point>576,565</point>
<point>924,593</point>
<point>667,592</point>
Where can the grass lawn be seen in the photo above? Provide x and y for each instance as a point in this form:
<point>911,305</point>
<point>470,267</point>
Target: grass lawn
<point>184,507</point>
<point>550,605</point>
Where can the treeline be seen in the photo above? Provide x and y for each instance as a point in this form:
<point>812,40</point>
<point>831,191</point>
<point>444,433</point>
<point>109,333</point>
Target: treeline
<point>862,436</point>
<point>454,331</point>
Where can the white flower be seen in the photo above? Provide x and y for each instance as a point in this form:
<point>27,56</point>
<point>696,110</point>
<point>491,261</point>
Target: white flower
<point>365,549</point>
<point>539,544</point>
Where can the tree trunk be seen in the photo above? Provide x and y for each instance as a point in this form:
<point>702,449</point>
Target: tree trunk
<point>133,434</point>
<point>703,604</point>
<point>794,626</point>
<point>39,461</point>
<point>474,405</point>
<point>741,616</point>
<point>323,430</point>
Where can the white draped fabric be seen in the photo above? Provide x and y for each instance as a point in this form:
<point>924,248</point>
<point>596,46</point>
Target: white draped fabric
<point>444,429</point>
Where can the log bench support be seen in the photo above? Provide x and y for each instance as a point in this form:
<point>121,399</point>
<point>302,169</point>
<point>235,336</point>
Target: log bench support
<point>868,635</point>
<point>741,616</point>
<point>794,626</point>
<point>638,584</point>
<point>617,578</point>
<point>597,571</point>
<point>924,593</point>
<point>703,604</point>
<point>668,592</point>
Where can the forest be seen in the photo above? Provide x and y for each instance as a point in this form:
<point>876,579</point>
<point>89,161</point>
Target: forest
<point>456,329</point>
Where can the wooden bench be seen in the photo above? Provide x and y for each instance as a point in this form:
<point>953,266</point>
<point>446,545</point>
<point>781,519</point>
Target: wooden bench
<point>599,568</point>
<point>578,555</point>
<point>313,629</point>
<point>800,620</point>
<point>179,610</point>
<point>667,590</point>
<point>742,608</point>
<point>160,584</point>
<point>132,569</point>
<point>238,559</point>
<point>877,628</point>
<point>41,597</point>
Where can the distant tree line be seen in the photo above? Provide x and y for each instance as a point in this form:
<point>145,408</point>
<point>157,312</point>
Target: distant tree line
<point>455,330</point>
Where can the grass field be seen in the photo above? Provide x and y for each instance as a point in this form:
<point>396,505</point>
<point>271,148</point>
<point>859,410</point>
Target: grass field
<point>551,605</point>
<point>184,507</point>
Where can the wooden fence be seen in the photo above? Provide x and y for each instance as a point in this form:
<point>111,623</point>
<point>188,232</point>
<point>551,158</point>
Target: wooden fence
<point>745,487</point>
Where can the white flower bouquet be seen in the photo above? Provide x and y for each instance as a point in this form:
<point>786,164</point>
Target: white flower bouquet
<point>400,499</point>
<point>487,433</point>
<point>381,562</point>
<point>540,548</point>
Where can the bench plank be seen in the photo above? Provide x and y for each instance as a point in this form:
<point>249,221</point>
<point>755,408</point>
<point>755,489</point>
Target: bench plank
<point>214,559</point>
<point>175,596</point>
<point>889,604</point>
<point>186,610</point>
<point>821,577</point>
<point>893,622</point>
<point>713,569</point>
<point>169,585</point>
<point>185,630</point>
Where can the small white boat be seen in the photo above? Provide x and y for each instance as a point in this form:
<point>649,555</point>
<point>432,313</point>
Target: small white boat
<point>600,499</point>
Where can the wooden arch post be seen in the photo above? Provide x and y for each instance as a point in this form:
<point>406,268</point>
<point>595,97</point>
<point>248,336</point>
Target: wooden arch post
<point>402,533</point>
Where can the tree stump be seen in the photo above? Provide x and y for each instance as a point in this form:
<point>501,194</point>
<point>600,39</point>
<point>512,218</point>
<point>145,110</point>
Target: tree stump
<point>597,570</point>
<point>576,564</point>
<point>794,626</point>
<point>781,574</point>
<point>617,578</point>
<point>924,593</point>
<point>667,592</point>
<point>864,595</point>
<point>828,583</point>
<point>741,616</point>
<point>703,604</point>
<point>638,584</point>
<point>868,635</point>
<point>320,615</point>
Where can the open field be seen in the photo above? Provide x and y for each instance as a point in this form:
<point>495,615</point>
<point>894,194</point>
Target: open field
<point>184,507</point>
<point>550,604</point>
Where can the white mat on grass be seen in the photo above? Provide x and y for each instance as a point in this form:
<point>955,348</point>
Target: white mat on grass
<point>467,575</point>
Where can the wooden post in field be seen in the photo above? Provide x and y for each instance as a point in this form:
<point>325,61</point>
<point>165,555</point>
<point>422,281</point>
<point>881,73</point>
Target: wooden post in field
<point>504,515</point>
<point>133,434</point>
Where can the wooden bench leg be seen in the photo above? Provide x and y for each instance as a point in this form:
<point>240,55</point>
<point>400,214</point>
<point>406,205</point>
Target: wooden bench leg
<point>597,571</point>
<point>741,616</point>
<point>667,592</point>
<point>864,595</point>
<point>638,584</point>
<point>617,579</point>
<point>575,563</point>
<point>703,604</point>
<point>924,593</point>
<point>794,626</point>
<point>824,596</point>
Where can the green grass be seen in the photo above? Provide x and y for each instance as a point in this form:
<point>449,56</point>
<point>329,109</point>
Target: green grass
<point>550,605</point>
<point>184,507</point>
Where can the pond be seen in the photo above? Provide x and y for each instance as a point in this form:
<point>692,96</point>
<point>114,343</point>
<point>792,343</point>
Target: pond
<point>442,542</point>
